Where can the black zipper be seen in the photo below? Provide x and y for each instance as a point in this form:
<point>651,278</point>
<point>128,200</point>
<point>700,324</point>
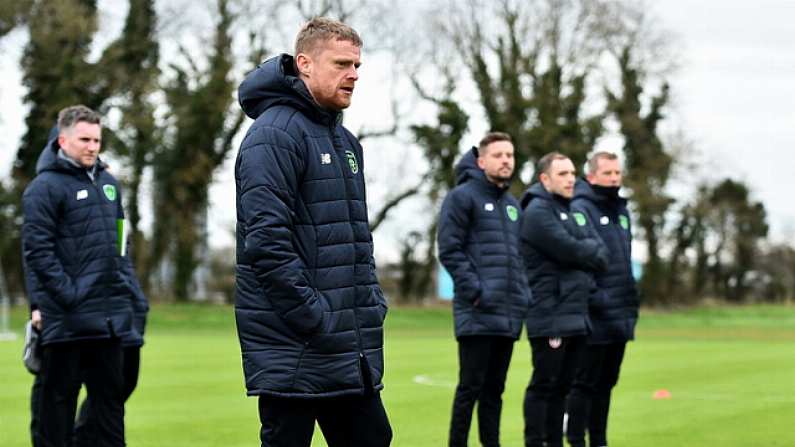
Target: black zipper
<point>100,194</point>
<point>620,230</point>
<point>340,152</point>
<point>509,301</point>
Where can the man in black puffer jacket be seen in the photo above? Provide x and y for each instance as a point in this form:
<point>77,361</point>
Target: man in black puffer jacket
<point>560,251</point>
<point>71,249</point>
<point>308,305</point>
<point>614,302</point>
<point>479,246</point>
<point>85,427</point>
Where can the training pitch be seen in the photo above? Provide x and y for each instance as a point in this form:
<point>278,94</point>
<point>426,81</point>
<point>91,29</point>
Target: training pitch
<point>730,372</point>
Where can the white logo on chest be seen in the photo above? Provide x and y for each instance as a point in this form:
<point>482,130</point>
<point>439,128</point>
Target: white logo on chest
<point>488,207</point>
<point>325,159</point>
<point>82,194</point>
<point>604,220</point>
<point>564,216</point>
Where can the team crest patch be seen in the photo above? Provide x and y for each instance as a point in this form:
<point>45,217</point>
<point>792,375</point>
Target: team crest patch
<point>110,192</point>
<point>555,342</point>
<point>513,213</point>
<point>352,162</point>
<point>580,219</point>
<point>623,221</point>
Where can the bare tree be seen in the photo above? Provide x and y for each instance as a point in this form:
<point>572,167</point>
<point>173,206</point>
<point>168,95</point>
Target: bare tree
<point>529,63</point>
<point>199,137</point>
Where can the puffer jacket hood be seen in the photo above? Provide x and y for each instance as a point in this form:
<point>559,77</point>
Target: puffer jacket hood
<point>275,82</point>
<point>537,191</point>
<point>49,154</point>
<point>467,168</point>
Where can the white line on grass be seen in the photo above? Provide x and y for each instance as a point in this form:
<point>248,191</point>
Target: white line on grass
<point>428,381</point>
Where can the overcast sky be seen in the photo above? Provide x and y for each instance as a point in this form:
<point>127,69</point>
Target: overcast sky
<point>734,96</point>
<point>735,93</point>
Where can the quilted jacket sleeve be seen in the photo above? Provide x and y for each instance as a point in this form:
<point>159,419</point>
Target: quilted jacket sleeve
<point>39,231</point>
<point>453,224</point>
<point>32,286</point>
<point>269,169</point>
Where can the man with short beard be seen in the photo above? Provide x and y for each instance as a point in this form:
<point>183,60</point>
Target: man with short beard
<point>614,302</point>
<point>308,305</point>
<point>78,279</point>
<point>479,246</point>
<point>85,428</point>
<point>561,252</point>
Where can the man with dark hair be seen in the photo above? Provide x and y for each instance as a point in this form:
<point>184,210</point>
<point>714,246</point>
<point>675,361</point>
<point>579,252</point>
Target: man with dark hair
<point>560,252</point>
<point>308,305</point>
<point>80,280</point>
<point>614,302</point>
<point>85,428</point>
<point>478,245</point>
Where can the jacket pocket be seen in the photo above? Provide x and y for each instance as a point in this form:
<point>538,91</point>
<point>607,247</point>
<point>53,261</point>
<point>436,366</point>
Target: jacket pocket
<point>475,291</point>
<point>377,297</point>
<point>487,301</point>
<point>68,300</point>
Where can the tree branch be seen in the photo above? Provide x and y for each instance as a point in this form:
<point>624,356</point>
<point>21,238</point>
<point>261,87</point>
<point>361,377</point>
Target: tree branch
<point>391,131</point>
<point>229,135</point>
<point>381,216</point>
<point>186,54</point>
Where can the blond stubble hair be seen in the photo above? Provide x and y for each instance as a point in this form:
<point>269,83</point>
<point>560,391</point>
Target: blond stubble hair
<point>322,29</point>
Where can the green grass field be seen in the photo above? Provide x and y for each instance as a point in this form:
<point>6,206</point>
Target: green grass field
<point>731,372</point>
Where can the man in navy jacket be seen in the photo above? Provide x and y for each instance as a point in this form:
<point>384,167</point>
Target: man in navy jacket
<point>614,302</point>
<point>85,427</point>
<point>561,252</point>
<point>478,245</point>
<point>77,280</point>
<point>308,305</point>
